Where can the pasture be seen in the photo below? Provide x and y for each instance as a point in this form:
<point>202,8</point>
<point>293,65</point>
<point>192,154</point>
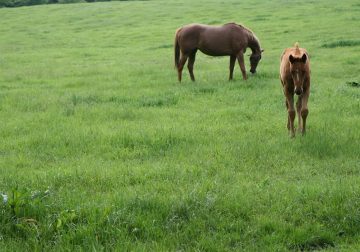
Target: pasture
<point>102,149</point>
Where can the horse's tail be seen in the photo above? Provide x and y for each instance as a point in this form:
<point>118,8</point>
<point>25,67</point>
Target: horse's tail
<point>177,48</point>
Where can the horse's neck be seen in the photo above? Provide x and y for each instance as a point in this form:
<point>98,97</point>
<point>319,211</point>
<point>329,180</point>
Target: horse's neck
<point>253,43</point>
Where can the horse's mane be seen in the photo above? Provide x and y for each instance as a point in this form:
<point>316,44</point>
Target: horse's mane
<point>252,36</point>
<point>297,50</point>
<point>250,32</point>
<point>241,26</point>
<point>300,51</point>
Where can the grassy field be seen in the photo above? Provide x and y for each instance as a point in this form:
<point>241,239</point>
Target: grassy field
<point>102,149</point>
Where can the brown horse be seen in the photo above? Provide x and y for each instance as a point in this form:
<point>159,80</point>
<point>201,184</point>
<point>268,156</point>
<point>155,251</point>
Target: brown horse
<point>226,40</point>
<point>295,78</point>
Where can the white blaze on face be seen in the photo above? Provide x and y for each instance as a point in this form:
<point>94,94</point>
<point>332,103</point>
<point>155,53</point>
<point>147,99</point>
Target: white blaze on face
<point>297,77</point>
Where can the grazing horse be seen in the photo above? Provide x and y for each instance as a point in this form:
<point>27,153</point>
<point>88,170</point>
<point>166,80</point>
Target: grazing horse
<point>295,78</point>
<point>226,40</point>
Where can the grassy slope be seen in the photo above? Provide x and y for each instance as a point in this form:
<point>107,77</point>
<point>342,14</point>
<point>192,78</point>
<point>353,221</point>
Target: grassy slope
<point>90,108</point>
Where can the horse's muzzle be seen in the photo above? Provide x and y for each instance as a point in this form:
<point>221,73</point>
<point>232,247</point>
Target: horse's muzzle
<point>298,91</point>
<point>252,71</point>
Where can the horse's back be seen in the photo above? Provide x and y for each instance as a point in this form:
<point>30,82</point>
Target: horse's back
<point>191,30</point>
<point>213,40</point>
<point>188,36</point>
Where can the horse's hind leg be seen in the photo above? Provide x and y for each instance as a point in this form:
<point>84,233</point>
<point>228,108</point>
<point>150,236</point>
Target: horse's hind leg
<point>231,67</point>
<point>191,65</point>
<point>182,62</point>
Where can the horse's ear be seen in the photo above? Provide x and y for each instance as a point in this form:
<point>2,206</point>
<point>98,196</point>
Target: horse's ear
<point>292,59</point>
<point>304,58</point>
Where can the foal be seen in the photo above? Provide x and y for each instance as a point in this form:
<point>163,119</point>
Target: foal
<point>295,78</point>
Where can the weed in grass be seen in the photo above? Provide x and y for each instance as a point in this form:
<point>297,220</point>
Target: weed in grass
<point>341,43</point>
<point>309,239</point>
<point>353,83</point>
<point>168,99</point>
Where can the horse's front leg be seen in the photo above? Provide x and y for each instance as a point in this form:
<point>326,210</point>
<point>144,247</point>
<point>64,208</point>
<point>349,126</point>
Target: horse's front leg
<point>298,111</point>
<point>240,58</point>
<point>231,67</point>
<point>291,113</point>
<point>304,109</point>
<point>288,121</point>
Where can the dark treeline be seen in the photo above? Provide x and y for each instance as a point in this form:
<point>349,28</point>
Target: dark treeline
<point>18,3</point>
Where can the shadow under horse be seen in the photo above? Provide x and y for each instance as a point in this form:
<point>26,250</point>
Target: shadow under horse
<point>227,40</point>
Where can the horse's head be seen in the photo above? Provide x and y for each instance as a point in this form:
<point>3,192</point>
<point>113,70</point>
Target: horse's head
<point>298,72</point>
<point>255,57</point>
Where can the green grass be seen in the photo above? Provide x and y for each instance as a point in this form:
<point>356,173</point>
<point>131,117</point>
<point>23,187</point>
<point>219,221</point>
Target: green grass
<point>102,149</point>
